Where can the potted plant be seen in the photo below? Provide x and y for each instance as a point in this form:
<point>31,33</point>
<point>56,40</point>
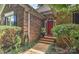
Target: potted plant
<point>43,31</point>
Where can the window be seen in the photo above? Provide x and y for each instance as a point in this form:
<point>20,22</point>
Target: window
<point>10,19</point>
<point>76,17</point>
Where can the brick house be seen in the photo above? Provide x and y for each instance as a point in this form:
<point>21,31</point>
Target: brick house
<point>29,19</point>
<point>23,16</point>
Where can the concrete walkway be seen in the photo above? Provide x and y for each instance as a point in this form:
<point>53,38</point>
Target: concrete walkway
<point>39,48</point>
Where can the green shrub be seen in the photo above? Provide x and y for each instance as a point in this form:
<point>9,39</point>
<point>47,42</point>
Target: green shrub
<point>70,32</point>
<point>75,36</point>
<point>9,38</point>
<point>64,29</point>
<point>43,31</point>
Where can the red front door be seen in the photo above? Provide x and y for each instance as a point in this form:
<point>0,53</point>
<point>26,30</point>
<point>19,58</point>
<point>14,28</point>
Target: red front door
<point>49,27</point>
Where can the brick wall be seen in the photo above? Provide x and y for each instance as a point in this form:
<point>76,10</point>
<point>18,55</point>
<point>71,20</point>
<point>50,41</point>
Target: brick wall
<point>35,25</point>
<point>22,20</point>
<point>18,12</point>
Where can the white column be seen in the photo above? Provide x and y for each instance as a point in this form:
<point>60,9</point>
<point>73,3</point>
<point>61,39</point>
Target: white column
<point>54,22</point>
<point>28,25</point>
<point>46,26</point>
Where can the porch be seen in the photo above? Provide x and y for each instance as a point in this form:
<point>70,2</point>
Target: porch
<point>47,26</point>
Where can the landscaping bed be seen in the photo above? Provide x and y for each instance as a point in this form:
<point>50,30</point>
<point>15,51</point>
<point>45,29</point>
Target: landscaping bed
<point>67,38</point>
<point>9,38</point>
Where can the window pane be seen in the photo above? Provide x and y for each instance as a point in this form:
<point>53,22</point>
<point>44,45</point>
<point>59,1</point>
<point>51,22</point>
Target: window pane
<point>15,22</point>
<point>10,20</point>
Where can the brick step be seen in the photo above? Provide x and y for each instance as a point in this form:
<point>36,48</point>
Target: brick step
<point>49,37</point>
<point>46,38</point>
<point>46,42</point>
<point>49,40</point>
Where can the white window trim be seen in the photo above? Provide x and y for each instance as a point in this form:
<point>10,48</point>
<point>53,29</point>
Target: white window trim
<point>9,14</point>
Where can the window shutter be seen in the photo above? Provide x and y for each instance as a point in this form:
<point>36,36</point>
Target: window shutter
<point>15,22</point>
<point>4,20</point>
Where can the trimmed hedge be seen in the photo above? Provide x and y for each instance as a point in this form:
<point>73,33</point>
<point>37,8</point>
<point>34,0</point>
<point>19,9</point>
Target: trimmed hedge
<point>9,38</point>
